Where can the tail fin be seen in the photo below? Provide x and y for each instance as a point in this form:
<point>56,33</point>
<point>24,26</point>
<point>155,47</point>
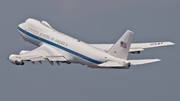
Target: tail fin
<point>121,48</point>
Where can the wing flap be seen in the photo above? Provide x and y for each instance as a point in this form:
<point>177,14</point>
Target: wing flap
<point>143,61</point>
<point>56,58</point>
<point>37,59</point>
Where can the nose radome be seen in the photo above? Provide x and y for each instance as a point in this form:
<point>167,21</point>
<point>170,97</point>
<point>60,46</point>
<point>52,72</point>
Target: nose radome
<point>21,25</point>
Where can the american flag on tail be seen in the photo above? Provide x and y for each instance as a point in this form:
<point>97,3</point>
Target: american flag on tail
<point>123,44</point>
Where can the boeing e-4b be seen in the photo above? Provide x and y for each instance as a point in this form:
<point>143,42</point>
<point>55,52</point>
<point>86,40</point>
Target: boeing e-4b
<point>57,47</point>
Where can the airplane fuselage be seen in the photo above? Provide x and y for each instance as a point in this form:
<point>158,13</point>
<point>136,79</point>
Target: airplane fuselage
<point>74,50</point>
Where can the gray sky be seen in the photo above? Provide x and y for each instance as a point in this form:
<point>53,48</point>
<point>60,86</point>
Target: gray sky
<point>93,21</point>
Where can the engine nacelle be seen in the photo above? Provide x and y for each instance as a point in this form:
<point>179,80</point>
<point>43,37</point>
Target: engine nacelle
<point>16,62</point>
<point>136,52</point>
<point>14,59</point>
<point>19,62</point>
<point>23,52</point>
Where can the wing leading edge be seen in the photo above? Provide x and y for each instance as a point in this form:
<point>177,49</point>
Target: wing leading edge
<point>39,54</point>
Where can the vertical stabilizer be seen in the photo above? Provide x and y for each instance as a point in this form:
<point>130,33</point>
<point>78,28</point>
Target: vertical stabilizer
<point>121,48</point>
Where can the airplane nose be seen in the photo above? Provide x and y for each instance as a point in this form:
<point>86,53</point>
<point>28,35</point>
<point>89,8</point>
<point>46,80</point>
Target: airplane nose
<point>20,29</point>
<point>21,25</point>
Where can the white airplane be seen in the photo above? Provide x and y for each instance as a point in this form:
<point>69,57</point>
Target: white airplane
<point>57,47</point>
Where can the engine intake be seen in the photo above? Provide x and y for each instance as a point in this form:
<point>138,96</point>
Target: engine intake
<point>19,62</point>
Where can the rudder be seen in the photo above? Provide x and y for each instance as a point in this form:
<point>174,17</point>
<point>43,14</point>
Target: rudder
<point>121,48</point>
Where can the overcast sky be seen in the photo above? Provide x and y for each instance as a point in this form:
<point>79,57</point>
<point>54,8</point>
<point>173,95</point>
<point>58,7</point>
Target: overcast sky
<point>93,21</point>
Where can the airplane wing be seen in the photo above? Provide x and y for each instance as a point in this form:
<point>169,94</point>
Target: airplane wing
<point>151,44</point>
<point>41,53</point>
<point>135,47</point>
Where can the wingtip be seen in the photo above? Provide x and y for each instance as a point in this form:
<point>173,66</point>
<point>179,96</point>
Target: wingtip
<point>158,59</point>
<point>171,43</point>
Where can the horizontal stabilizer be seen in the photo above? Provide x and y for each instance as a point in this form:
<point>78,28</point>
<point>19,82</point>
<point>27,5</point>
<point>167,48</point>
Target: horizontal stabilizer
<point>110,64</point>
<point>143,61</point>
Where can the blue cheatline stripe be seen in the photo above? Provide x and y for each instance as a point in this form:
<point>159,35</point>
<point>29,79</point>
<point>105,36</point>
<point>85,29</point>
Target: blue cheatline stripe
<point>59,46</point>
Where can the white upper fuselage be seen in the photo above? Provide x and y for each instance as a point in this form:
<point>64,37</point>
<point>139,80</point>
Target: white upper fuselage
<point>74,50</point>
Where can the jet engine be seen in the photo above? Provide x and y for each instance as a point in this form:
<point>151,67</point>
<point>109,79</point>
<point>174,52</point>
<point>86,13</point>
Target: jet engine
<point>14,59</point>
